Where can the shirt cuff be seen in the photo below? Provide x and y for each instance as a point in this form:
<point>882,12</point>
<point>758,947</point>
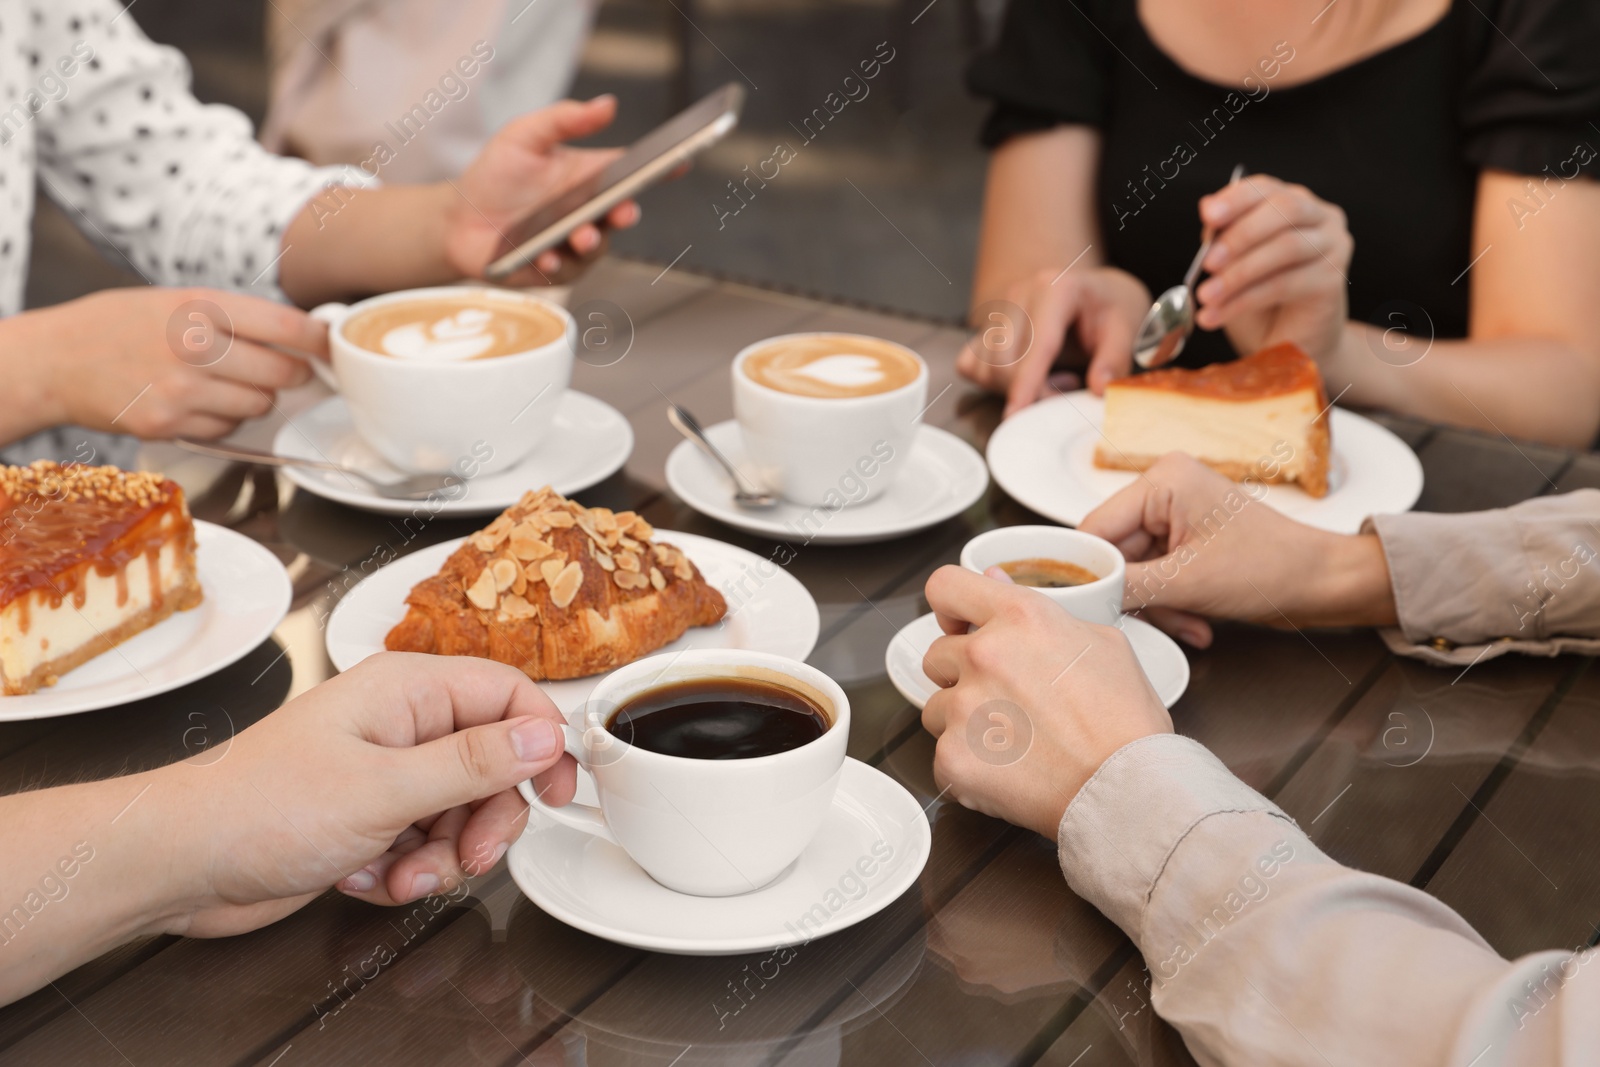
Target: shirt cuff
<point>1124,824</point>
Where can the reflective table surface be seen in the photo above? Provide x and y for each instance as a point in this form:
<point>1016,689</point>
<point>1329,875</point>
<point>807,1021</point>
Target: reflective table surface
<point>1479,786</point>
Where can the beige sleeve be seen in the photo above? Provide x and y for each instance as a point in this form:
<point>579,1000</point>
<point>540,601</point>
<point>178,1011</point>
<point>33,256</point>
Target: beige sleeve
<point>1519,579</point>
<point>1261,949</point>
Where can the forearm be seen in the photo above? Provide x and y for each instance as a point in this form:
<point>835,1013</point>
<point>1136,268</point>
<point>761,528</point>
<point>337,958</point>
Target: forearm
<point>89,867</point>
<point>1261,949</point>
<point>350,242</point>
<point>1351,586</point>
<point>29,360</point>
<point>1528,388</point>
<point>1038,210</point>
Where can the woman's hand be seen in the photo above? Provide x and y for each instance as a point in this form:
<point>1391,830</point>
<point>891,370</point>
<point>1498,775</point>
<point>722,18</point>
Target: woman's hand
<point>1033,700</point>
<point>1278,266</point>
<point>1201,545</point>
<point>524,167</point>
<point>158,362</point>
<point>392,781</point>
<point>1103,305</point>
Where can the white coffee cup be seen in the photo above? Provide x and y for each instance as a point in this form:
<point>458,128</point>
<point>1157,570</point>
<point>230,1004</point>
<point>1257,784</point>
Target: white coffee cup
<point>427,417</point>
<point>1098,601</point>
<point>826,451</point>
<point>712,828</point>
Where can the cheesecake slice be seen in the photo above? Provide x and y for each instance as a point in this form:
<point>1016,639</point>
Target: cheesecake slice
<point>1263,417</point>
<point>89,557</point>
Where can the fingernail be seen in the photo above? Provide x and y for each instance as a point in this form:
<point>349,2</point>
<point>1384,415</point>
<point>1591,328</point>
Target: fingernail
<point>360,882</point>
<point>1216,257</point>
<point>423,884</point>
<point>499,850</point>
<point>999,574</point>
<point>1210,290</point>
<point>535,740</point>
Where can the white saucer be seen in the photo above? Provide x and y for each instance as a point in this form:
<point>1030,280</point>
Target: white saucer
<point>943,477</point>
<point>589,442</point>
<point>247,593</point>
<point>1163,661</point>
<point>769,612</point>
<point>1043,456</point>
<point>593,885</point>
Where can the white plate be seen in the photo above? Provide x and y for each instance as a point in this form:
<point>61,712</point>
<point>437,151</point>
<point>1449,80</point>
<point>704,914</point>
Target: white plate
<point>1043,456</point>
<point>247,593</point>
<point>1163,661</point>
<point>593,885</point>
<point>589,442</point>
<point>766,613</point>
<point>943,477</point>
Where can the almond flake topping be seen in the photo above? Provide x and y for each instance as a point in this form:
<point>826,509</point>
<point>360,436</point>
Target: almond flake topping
<point>482,593</point>
<point>683,568</point>
<point>551,569</point>
<point>526,544</point>
<point>515,607</point>
<point>564,587</point>
<point>559,520</point>
<point>628,561</point>
<point>630,580</point>
<point>657,579</point>
<point>505,572</point>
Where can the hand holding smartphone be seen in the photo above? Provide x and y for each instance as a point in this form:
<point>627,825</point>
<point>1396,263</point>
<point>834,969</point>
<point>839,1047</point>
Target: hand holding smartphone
<point>650,159</point>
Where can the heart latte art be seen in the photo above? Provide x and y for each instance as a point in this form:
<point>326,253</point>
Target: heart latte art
<point>832,366</point>
<point>449,330</point>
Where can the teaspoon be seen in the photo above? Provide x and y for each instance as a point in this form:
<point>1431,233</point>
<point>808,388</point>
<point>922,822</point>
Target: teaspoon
<point>1170,320</point>
<point>745,494</point>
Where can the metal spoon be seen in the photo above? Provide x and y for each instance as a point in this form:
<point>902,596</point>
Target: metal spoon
<point>745,493</point>
<point>409,487</point>
<point>1170,320</point>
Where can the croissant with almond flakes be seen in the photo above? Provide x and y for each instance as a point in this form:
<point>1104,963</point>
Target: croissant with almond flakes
<point>557,590</point>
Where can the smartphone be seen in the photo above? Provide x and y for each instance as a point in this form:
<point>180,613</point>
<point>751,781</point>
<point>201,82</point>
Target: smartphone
<point>651,158</point>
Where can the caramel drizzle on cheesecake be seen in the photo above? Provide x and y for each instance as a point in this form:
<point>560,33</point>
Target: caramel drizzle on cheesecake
<point>59,522</point>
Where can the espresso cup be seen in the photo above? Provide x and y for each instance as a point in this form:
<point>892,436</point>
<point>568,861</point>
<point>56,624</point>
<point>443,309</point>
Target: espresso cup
<point>708,827</point>
<point>427,416</point>
<point>1099,601</point>
<point>828,451</point>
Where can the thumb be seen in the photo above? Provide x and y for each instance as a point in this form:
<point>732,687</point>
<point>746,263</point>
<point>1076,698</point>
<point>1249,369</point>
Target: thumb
<point>564,120</point>
<point>474,763</point>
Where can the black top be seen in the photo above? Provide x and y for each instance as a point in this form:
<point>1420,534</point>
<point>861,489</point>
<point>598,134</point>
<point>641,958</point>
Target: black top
<point>1396,139</point>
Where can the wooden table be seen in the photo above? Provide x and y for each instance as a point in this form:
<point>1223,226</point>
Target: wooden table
<point>1478,786</point>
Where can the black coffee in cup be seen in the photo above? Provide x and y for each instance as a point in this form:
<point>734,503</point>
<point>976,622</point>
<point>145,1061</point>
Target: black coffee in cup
<point>719,718</point>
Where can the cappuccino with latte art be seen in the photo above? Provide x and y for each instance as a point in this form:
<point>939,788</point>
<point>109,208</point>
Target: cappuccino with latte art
<point>831,366</point>
<point>452,329</point>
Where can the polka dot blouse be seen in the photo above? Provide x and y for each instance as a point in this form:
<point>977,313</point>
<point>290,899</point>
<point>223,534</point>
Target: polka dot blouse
<point>102,118</point>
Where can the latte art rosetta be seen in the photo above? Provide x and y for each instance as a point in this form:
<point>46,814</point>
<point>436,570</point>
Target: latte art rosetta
<point>452,330</point>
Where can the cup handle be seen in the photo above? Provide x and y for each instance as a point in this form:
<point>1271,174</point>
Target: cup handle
<point>585,817</point>
<point>330,314</point>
